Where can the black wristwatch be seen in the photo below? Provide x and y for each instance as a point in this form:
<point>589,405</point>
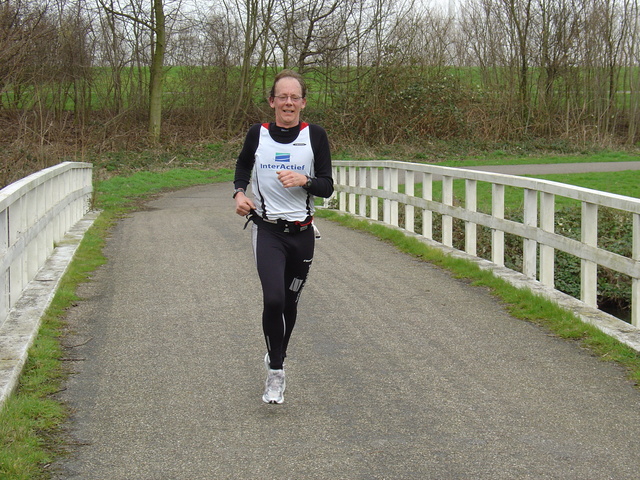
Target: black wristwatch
<point>237,191</point>
<point>308,184</point>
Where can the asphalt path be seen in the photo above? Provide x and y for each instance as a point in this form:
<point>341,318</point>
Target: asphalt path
<point>396,370</point>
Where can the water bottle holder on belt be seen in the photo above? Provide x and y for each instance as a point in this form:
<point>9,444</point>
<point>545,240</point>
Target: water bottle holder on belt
<point>279,225</point>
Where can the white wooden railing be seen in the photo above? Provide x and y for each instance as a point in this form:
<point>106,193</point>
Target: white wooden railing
<point>361,185</point>
<point>35,214</point>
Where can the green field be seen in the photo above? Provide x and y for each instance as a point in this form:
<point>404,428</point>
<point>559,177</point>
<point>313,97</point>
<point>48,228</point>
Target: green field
<point>184,85</point>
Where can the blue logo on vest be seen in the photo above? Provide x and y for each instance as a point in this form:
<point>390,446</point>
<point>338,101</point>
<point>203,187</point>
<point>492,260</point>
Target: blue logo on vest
<point>283,157</point>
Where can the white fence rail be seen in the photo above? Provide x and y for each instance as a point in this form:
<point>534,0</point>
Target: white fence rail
<point>35,213</point>
<point>361,185</point>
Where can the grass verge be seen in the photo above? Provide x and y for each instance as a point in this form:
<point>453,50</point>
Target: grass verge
<point>520,303</point>
<point>31,416</point>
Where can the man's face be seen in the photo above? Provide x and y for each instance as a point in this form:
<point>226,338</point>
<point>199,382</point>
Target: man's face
<point>287,102</point>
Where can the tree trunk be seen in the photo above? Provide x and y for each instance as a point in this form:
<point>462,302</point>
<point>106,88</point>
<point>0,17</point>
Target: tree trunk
<point>156,80</point>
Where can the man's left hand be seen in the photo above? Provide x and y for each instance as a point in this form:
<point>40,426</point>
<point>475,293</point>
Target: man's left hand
<point>290,179</point>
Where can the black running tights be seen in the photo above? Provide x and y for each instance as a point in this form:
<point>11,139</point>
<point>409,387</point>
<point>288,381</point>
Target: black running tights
<point>283,262</point>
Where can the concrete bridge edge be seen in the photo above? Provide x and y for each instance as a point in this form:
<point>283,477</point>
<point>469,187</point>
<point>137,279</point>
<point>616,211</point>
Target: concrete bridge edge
<point>20,328</point>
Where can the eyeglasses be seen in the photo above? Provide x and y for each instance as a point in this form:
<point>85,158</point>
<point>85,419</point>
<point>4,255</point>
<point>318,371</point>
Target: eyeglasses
<point>294,98</point>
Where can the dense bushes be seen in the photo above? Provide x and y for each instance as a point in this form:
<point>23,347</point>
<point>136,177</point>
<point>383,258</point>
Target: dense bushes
<point>395,107</point>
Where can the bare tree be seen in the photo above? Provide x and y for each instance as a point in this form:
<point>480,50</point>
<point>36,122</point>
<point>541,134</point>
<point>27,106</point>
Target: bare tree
<point>519,15</point>
<point>154,20</point>
<point>255,18</point>
<point>633,76</point>
<point>557,34</point>
<point>25,33</point>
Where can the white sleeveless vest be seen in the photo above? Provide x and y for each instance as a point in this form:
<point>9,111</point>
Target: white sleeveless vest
<point>271,198</point>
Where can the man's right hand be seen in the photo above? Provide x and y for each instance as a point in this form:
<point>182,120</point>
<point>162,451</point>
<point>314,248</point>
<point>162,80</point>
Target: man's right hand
<point>244,205</point>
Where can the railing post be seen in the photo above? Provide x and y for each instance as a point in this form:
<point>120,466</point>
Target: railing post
<point>394,203</point>
<point>342,196</point>
<point>57,190</point>
<point>470,228</point>
<point>336,181</point>
<point>447,220</point>
<point>375,201</point>
<point>49,203</point>
<point>427,215</point>
<point>42,249</point>
<point>386,203</point>
<point>635,285</point>
<point>547,220</point>
<point>352,183</point>
<point>589,270</point>
<point>31,246</point>
<point>362,199</point>
<point>16,225</point>
<point>530,247</point>
<point>409,211</point>
<point>497,236</point>
<point>4,276</point>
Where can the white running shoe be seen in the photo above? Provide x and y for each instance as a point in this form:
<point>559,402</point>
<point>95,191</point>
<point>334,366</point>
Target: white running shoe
<point>274,387</point>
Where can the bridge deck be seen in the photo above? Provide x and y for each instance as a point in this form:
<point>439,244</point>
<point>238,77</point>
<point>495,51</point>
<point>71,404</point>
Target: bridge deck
<point>396,370</point>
